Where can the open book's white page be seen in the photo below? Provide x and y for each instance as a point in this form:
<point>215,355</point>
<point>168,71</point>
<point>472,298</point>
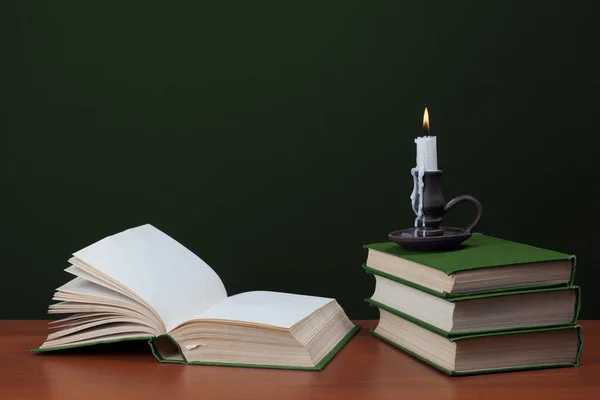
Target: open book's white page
<point>269,308</point>
<point>89,277</point>
<point>175,282</point>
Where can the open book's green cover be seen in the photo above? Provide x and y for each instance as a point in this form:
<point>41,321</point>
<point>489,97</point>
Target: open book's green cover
<point>317,367</point>
<point>479,251</point>
<point>160,358</point>
<point>496,370</point>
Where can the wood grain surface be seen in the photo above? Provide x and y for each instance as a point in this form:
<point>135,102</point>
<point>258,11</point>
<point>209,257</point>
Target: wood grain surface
<point>365,369</point>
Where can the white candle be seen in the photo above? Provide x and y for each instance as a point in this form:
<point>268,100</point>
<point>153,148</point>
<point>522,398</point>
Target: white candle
<point>426,161</point>
<point>426,153</point>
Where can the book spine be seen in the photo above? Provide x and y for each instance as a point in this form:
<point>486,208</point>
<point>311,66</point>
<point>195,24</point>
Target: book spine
<point>579,344</point>
<point>573,267</point>
<point>167,350</point>
<point>577,305</point>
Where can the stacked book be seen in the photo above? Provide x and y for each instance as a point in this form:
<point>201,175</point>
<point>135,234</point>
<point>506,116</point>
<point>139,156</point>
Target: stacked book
<point>493,305</point>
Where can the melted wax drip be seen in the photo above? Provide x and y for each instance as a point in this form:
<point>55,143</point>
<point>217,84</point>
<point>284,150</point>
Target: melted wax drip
<point>418,186</point>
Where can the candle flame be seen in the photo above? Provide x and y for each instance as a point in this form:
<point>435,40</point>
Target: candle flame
<point>426,121</point>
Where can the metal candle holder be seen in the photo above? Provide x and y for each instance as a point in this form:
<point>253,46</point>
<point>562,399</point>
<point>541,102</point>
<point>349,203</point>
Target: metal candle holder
<point>430,235</point>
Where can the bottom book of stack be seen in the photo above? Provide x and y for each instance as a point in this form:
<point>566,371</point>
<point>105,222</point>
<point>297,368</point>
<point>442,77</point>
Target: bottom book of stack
<point>481,352</point>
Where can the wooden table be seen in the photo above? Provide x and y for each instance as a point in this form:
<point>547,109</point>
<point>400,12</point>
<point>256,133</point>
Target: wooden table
<point>365,369</point>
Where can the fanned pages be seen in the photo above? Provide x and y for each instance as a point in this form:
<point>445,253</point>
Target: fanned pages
<point>172,280</point>
<point>142,284</point>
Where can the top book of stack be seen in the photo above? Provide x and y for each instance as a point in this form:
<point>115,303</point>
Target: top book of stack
<point>483,264</point>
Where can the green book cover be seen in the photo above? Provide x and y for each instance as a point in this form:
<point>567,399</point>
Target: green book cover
<point>477,252</point>
<point>488,334</point>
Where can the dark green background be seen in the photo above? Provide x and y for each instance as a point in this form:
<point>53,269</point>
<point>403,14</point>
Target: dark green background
<point>275,138</point>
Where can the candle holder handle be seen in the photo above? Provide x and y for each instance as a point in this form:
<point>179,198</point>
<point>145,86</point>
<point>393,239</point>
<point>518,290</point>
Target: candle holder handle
<point>471,200</point>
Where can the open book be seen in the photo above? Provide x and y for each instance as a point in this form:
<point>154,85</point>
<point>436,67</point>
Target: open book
<point>142,284</point>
